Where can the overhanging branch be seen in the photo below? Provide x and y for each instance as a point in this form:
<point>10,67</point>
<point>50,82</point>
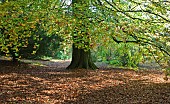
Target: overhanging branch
<point>120,41</point>
<point>125,12</point>
<point>142,41</point>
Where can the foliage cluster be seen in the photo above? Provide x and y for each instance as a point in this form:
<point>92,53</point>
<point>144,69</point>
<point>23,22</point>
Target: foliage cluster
<point>26,28</point>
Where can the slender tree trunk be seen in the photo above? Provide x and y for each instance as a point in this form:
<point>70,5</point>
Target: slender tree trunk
<point>14,57</point>
<point>81,59</point>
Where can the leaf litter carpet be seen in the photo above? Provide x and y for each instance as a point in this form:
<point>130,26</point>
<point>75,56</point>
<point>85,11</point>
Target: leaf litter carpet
<point>50,83</point>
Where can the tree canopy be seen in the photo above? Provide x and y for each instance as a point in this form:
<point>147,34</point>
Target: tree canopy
<point>88,24</point>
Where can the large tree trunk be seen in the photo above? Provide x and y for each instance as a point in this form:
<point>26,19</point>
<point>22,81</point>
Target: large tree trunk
<point>81,59</point>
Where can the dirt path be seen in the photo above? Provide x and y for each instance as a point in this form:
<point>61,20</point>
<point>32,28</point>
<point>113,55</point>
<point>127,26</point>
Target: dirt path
<point>47,82</point>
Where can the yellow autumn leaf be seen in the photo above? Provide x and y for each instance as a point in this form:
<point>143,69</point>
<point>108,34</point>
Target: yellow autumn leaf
<point>33,52</point>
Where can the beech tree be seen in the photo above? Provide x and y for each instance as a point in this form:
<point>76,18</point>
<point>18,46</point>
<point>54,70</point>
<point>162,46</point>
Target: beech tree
<point>124,21</point>
<point>81,56</point>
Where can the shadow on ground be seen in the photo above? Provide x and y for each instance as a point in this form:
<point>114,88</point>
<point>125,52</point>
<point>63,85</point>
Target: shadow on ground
<point>22,83</point>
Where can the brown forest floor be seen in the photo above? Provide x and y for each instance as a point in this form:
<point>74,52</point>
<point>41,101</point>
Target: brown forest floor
<point>52,84</point>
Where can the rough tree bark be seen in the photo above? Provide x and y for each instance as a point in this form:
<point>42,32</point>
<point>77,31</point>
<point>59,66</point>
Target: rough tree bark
<point>81,59</point>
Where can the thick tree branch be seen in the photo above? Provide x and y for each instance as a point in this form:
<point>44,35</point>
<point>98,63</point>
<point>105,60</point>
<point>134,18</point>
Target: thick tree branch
<point>120,41</point>
<point>142,41</point>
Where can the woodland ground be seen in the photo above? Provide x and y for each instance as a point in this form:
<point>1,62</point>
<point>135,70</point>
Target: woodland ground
<point>47,82</point>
